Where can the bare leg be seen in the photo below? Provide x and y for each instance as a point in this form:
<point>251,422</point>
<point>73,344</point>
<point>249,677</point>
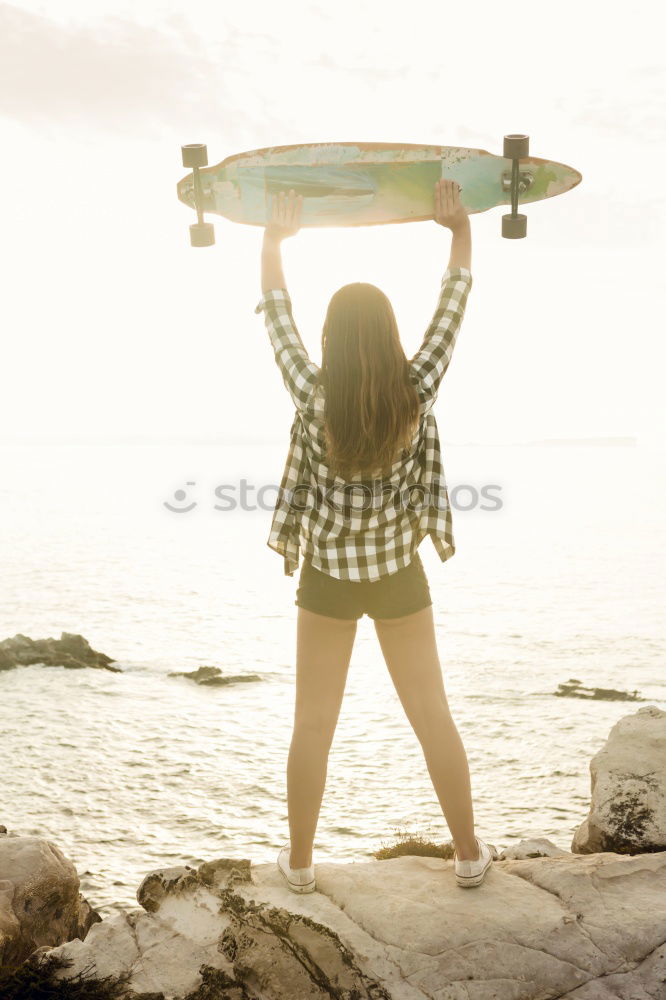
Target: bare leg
<point>323,651</point>
<point>410,651</point>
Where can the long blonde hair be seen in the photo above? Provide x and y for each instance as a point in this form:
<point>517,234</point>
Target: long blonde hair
<point>371,406</point>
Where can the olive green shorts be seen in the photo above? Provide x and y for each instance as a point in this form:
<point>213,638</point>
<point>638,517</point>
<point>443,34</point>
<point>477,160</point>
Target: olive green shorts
<point>400,593</point>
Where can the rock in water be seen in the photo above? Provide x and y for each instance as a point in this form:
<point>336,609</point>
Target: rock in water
<point>40,902</point>
<point>575,689</point>
<point>213,676</point>
<point>69,650</point>
<point>572,926</point>
<point>628,776</point>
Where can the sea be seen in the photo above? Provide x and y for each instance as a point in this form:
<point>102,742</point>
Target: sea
<point>137,546</point>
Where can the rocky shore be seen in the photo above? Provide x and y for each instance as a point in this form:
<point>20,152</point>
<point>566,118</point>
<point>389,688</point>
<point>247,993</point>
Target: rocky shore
<point>582,924</point>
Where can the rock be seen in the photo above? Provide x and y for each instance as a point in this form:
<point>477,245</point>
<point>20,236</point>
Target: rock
<point>69,650</point>
<point>213,676</point>
<point>580,926</point>
<point>40,903</point>
<point>574,689</point>
<point>628,779</point>
<point>644,982</point>
<point>535,847</point>
<point>157,884</point>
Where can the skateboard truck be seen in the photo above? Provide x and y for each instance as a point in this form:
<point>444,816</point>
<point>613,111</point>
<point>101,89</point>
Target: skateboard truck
<point>195,155</point>
<point>514,225</point>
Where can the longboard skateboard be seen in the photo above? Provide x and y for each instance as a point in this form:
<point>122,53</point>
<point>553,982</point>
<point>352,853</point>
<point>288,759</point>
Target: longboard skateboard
<point>367,183</point>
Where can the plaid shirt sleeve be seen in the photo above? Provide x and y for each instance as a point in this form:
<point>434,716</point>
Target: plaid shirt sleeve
<point>434,355</point>
<point>298,372</point>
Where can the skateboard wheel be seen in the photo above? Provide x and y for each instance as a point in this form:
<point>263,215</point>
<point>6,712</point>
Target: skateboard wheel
<point>202,234</point>
<point>516,146</point>
<point>514,227</point>
<point>194,155</point>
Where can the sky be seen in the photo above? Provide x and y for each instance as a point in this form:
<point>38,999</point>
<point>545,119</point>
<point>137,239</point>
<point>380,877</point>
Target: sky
<point>115,328</point>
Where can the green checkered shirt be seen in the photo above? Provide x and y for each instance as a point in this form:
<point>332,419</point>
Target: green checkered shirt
<point>362,529</point>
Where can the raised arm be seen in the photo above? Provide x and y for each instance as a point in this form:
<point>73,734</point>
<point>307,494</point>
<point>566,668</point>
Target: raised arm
<point>433,357</point>
<point>298,372</point>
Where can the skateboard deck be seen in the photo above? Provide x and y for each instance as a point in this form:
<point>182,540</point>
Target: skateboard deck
<point>368,183</point>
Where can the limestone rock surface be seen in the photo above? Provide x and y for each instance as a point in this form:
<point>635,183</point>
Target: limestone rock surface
<point>589,927</point>
<point>628,784</point>
<point>533,847</point>
<point>40,902</point>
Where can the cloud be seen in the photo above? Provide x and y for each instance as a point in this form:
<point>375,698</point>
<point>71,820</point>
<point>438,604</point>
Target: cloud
<point>115,74</point>
<point>633,107</point>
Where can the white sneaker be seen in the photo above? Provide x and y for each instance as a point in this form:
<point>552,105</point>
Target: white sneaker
<point>298,879</point>
<point>471,873</point>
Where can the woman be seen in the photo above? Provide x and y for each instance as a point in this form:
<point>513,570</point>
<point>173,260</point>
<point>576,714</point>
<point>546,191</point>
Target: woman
<point>362,486</point>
